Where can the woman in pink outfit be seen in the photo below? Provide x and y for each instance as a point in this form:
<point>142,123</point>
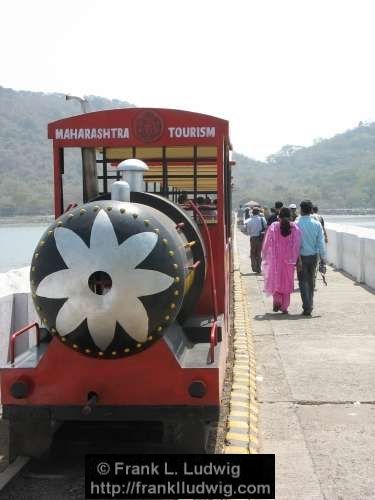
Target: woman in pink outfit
<point>280,252</point>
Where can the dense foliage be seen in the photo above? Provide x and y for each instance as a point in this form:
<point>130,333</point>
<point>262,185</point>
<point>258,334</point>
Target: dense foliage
<point>336,172</point>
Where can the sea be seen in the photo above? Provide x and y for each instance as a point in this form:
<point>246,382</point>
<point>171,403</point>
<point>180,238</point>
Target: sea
<point>352,220</point>
<point>18,241</point>
<point>17,244</point>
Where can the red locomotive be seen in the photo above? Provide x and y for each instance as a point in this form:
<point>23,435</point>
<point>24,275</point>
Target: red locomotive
<point>132,284</point>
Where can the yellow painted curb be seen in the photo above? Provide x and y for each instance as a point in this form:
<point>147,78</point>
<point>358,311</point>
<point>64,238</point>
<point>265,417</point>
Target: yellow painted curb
<point>240,404</point>
<point>238,437</point>
<point>237,413</point>
<point>238,424</point>
<point>236,450</point>
<point>243,416</point>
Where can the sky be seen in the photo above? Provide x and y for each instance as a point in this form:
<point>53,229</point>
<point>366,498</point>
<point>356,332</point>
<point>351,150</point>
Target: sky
<point>281,71</point>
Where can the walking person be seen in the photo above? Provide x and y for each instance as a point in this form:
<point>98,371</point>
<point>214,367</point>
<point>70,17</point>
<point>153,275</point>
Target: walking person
<point>319,218</point>
<point>280,253</point>
<point>275,215</point>
<point>255,228</point>
<point>293,211</point>
<point>312,247</point>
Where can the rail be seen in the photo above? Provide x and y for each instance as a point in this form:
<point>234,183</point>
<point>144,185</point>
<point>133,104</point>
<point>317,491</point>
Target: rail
<point>210,254</point>
<point>70,207</point>
<point>209,211</point>
<point>194,266</point>
<point>20,332</point>
<point>213,341</point>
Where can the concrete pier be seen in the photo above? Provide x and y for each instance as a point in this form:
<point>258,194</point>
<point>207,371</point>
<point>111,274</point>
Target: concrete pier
<point>316,387</point>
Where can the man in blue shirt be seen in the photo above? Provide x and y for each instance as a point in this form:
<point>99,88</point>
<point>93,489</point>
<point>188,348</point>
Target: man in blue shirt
<point>312,247</point>
<point>255,227</point>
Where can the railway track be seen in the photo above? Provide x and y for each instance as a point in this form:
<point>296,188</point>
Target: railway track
<point>60,473</point>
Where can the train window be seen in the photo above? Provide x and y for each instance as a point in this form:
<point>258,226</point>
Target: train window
<point>180,152</point>
<point>176,172</point>
<point>106,170</point>
<point>115,153</point>
<point>207,152</point>
<point>149,153</point>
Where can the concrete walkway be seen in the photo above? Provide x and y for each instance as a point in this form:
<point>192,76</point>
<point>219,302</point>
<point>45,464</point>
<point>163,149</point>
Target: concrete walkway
<point>316,388</point>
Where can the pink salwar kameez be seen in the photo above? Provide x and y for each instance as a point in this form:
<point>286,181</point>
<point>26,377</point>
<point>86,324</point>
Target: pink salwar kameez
<point>279,256</point>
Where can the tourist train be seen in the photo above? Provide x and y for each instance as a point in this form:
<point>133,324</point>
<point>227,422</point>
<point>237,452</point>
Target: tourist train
<point>131,282</point>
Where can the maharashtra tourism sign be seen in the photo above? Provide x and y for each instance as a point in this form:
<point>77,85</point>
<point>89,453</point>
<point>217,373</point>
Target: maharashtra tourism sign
<point>72,134</point>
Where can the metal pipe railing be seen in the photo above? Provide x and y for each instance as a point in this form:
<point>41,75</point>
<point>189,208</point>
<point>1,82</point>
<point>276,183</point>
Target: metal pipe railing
<point>20,332</point>
<point>213,341</point>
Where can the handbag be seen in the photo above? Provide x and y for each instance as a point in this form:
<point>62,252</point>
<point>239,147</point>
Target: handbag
<point>263,231</point>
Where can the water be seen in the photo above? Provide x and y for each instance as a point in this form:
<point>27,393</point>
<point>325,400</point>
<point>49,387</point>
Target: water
<point>353,220</point>
<point>17,245</point>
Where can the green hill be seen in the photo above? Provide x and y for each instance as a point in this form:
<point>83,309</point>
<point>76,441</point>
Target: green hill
<point>26,153</point>
<point>335,173</point>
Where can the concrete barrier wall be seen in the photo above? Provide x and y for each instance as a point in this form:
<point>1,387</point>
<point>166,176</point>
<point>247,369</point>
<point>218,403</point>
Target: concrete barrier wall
<point>352,249</point>
<point>369,262</point>
<point>351,255</point>
<point>334,254</point>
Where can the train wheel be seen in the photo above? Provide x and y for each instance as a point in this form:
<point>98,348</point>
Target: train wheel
<point>187,436</point>
<point>31,439</point>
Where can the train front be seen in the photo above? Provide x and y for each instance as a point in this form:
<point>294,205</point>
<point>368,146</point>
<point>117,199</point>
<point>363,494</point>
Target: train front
<point>114,283</point>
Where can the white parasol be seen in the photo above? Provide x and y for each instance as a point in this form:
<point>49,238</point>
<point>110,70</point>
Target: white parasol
<point>252,204</point>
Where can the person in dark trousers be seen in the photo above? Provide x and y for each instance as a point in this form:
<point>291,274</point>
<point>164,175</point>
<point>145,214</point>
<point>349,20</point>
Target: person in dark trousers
<point>312,247</point>
<point>275,216</point>
<point>255,228</point>
<point>320,219</point>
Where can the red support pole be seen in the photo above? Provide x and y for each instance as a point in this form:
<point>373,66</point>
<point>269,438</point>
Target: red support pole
<point>57,180</point>
<point>211,257</point>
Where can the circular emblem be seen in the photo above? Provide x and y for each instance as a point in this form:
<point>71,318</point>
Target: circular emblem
<point>106,280</point>
<point>148,126</point>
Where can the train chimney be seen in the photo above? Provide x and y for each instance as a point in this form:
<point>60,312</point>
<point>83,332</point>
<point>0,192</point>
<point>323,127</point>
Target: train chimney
<point>120,190</point>
<point>132,172</point>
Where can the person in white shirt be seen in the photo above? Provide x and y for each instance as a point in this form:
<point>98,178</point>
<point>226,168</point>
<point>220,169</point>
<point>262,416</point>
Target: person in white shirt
<point>320,219</point>
<point>255,228</point>
<point>293,212</point>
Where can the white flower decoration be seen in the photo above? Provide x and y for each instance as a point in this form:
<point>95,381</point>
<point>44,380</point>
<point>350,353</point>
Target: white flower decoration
<point>121,303</point>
